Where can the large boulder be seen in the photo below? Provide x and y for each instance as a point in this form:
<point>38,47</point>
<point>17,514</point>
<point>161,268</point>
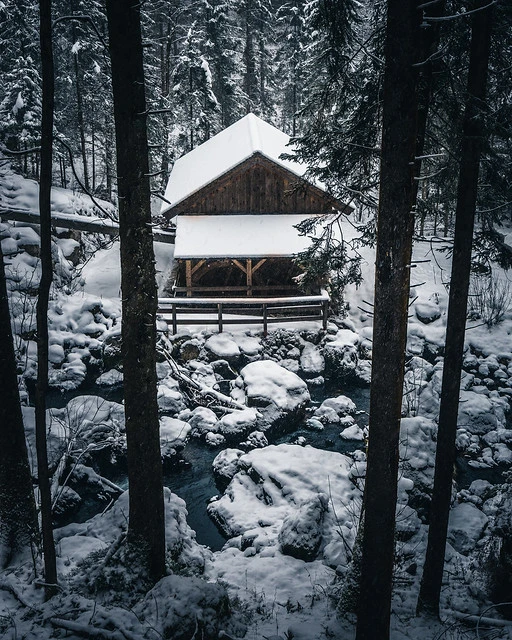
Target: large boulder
<point>342,354</point>
<point>333,410</point>
<point>280,395</point>
<point>467,525</point>
<point>221,346</point>
<point>301,532</point>
<point>277,501</point>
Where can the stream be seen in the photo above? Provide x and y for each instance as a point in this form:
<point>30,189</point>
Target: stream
<point>192,478</point>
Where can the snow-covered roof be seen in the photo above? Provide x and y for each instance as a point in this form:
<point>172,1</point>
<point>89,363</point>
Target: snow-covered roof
<point>223,152</point>
<point>239,236</point>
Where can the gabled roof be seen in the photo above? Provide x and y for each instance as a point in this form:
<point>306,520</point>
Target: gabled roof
<point>229,148</point>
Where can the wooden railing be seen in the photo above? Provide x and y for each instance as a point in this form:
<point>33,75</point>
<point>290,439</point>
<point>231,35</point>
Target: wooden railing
<point>226,311</point>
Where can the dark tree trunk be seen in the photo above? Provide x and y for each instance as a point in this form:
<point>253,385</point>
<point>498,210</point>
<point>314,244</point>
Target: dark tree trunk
<point>472,144</point>
<point>80,111</point>
<point>18,519</point>
<point>250,79</point>
<point>394,246</point>
<point>45,185</point>
<point>146,517</point>
<point>428,63</point>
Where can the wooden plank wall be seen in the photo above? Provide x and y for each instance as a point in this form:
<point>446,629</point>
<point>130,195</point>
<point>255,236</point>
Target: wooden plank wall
<point>256,186</point>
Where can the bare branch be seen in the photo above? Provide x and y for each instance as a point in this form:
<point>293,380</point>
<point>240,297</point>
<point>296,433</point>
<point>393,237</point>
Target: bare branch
<point>82,186</point>
<point>82,18</point>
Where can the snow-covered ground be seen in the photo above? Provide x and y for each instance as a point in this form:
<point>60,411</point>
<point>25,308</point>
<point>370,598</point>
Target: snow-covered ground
<point>289,511</point>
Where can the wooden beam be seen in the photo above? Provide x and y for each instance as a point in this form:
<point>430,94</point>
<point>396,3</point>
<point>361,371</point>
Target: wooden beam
<point>259,264</point>
<point>188,277</point>
<point>239,265</point>
<point>249,276</point>
<point>197,266</point>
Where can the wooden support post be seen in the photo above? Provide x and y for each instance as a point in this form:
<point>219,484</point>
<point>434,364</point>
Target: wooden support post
<point>174,320</point>
<point>219,316</point>
<point>325,311</point>
<point>188,277</point>
<point>264,309</point>
<point>249,276</point>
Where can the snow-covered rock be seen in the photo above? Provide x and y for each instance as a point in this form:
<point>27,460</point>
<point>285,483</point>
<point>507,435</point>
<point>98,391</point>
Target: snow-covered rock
<point>222,346</point>
<point>333,409</point>
<point>201,419</point>
<point>179,537</point>
<point>275,391</point>
<point>270,487</point>
<point>238,423</point>
<point>312,361</point>
<point>341,353</point>
<point>169,396</point>
<point>174,433</point>
<point>256,439</point>
<point>226,464</point>
<point>190,349</point>
<point>214,439</point>
<point>353,432</point>
<point>110,378</point>
<point>427,312</point>
<point>301,532</point>
<point>466,526</point>
<point>479,413</point>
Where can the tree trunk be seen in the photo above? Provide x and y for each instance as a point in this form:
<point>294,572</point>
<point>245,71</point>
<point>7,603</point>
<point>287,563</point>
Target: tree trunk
<point>146,531</point>
<point>45,185</point>
<point>80,111</point>
<point>250,79</point>
<point>429,45</point>
<point>395,227</point>
<point>18,519</point>
<point>472,144</point>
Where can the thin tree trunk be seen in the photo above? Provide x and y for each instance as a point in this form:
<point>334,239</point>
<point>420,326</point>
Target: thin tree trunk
<point>18,519</point>
<point>146,532</point>
<point>45,185</point>
<point>472,144</point>
<point>80,112</point>
<point>429,45</point>
<point>395,227</point>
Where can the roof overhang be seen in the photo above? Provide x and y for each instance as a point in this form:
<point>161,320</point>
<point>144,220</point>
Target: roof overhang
<point>239,236</point>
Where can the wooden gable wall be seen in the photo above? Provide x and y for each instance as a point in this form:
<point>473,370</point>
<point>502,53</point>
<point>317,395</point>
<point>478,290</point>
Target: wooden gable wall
<point>258,185</point>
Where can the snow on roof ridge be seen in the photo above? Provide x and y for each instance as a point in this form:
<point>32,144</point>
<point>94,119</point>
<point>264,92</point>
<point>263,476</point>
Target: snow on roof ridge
<point>222,153</point>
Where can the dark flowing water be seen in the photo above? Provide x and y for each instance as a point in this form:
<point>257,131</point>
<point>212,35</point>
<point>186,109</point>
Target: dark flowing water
<point>192,478</point>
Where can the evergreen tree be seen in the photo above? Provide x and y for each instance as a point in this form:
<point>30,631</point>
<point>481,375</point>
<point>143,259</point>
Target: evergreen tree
<point>340,119</point>
<point>20,108</point>
<point>290,54</point>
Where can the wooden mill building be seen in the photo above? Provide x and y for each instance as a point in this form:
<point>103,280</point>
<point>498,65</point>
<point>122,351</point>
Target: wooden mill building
<point>235,204</point>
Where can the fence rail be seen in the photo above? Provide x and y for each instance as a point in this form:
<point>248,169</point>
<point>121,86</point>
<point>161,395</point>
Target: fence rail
<point>226,311</point>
